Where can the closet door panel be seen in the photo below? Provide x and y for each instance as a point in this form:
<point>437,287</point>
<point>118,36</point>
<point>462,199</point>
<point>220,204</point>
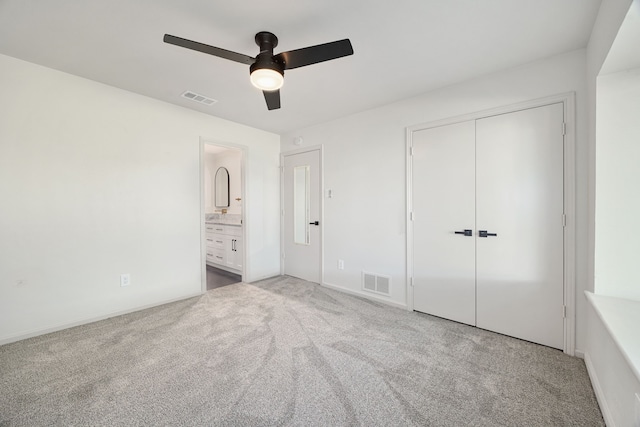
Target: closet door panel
<point>519,193</point>
<point>443,203</point>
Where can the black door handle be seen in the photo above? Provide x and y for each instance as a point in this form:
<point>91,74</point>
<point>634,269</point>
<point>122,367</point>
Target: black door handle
<point>314,223</point>
<point>484,233</point>
<point>466,232</point>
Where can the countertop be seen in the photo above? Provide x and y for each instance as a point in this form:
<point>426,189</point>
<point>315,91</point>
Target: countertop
<point>224,219</point>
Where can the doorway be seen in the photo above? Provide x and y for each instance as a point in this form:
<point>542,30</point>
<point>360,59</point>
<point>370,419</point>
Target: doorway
<point>222,175</point>
<point>301,214</point>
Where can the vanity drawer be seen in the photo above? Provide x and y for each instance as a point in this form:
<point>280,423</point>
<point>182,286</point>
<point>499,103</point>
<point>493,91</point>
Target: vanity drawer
<point>228,229</point>
<point>216,241</point>
<point>218,256</point>
<point>215,228</point>
<point>211,254</point>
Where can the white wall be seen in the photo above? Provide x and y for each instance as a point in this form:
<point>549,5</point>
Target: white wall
<point>617,245</point>
<point>95,182</point>
<point>608,22</point>
<point>365,167</point>
<point>613,207</point>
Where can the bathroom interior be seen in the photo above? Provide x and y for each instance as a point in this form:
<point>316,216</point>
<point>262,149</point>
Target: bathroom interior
<point>223,215</point>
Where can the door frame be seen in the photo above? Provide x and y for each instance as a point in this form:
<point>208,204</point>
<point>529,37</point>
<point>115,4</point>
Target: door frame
<point>319,148</point>
<point>245,204</point>
<point>569,176</point>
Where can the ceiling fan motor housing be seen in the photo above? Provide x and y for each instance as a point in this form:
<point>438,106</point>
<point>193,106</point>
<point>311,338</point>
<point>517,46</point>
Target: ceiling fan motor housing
<point>265,59</point>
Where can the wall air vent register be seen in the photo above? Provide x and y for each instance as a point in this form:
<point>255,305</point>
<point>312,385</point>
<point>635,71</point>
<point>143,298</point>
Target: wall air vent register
<point>376,283</point>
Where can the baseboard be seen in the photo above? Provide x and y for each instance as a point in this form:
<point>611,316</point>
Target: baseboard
<point>61,326</point>
<point>604,408</point>
<point>364,295</point>
<point>578,353</point>
<point>263,277</point>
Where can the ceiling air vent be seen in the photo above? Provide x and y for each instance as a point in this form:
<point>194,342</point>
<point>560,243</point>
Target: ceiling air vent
<point>199,98</point>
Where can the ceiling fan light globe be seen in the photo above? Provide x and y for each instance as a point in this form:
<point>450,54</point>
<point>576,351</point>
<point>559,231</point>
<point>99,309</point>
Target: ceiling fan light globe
<point>267,79</point>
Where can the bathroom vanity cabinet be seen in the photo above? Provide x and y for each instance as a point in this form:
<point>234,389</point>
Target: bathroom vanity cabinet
<point>224,246</point>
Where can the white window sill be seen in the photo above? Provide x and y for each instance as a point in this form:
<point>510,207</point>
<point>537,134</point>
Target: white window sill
<point>621,317</point>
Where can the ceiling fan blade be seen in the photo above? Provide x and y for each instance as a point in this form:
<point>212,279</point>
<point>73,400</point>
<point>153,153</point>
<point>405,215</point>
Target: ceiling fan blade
<point>211,50</point>
<point>273,99</point>
<point>314,54</point>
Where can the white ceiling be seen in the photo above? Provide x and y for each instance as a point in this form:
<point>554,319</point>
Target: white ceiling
<point>402,47</point>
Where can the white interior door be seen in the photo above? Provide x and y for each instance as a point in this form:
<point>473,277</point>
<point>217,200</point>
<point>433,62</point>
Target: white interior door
<point>301,217</point>
<point>444,204</point>
<point>519,193</point>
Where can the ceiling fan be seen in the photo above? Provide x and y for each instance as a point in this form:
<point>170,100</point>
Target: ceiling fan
<point>267,69</point>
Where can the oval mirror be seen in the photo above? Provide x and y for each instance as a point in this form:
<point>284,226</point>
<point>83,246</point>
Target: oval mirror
<point>222,188</point>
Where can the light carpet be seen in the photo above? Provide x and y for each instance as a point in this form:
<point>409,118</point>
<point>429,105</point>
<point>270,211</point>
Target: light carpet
<point>286,352</point>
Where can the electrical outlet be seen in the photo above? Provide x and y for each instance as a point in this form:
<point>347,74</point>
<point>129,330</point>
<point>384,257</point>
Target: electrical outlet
<point>340,264</point>
<point>125,279</point>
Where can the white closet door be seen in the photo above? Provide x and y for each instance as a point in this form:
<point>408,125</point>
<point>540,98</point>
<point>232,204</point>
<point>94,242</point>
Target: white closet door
<point>520,199</point>
<point>443,203</point>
